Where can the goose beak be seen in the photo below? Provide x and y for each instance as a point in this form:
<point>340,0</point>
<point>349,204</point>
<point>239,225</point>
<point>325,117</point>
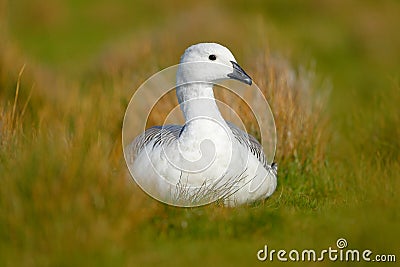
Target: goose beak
<point>239,74</point>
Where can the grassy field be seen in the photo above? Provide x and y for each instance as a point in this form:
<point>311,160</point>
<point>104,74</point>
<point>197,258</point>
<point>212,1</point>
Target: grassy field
<point>330,70</point>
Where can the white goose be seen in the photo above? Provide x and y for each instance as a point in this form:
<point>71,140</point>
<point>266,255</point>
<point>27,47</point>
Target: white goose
<point>207,158</point>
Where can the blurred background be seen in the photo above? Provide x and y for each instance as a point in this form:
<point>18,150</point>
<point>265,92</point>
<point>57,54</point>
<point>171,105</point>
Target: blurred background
<point>330,70</point>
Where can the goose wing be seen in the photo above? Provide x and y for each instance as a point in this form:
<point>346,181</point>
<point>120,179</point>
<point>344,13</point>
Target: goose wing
<point>252,145</point>
<point>154,136</point>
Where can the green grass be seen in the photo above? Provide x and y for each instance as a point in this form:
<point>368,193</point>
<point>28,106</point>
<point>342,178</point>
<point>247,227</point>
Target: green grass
<point>66,198</point>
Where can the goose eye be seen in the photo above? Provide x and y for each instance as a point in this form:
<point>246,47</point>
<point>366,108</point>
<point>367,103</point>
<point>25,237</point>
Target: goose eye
<point>212,57</point>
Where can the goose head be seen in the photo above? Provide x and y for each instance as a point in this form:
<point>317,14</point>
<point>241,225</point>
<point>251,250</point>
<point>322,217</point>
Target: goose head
<point>209,63</point>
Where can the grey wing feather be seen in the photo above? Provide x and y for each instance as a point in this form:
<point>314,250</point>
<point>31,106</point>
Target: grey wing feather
<point>156,135</point>
<point>251,143</point>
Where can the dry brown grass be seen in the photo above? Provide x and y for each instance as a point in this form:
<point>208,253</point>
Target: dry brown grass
<point>11,118</point>
<point>297,99</point>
